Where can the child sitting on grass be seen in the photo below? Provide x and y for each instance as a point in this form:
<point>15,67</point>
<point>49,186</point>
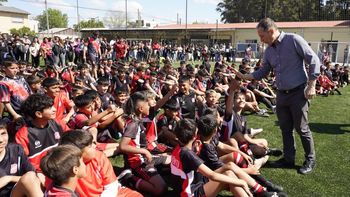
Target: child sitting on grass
<point>134,146</point>
<point>13,89</point>
<point>64,106</point>
<point>13,162</point>
<point>100,180</point>
<point>235,130</point>
<point>87,119</point>
<point>193,177</point>
<point>231,159</point>
<point>64,166</point>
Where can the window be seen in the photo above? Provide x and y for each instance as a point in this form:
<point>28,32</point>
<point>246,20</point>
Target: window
<point>17,20</point>
<point>251,41</point>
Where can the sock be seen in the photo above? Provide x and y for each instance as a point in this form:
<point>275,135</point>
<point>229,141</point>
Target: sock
<point>239,160</point>
<point>257,189</point>
<point>133,182</point>
<point>245,148</point>
<point>260,179</point>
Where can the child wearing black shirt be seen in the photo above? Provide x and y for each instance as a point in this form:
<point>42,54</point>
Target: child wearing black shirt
<point>166,123</point>
<point>207,126</point>
<point>190,171</point>
<point>13,162</point>
<point>186,99</point>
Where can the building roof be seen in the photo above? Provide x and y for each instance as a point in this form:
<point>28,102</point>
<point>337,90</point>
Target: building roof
<point>252,25</point>
<point>13,10</point>
<point>54,30</point>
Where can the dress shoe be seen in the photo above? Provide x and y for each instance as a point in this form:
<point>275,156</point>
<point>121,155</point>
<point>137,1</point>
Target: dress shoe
<point>271,187</point>
<point>274,152</point>
<point>281,163</point>
<point>308,167</point>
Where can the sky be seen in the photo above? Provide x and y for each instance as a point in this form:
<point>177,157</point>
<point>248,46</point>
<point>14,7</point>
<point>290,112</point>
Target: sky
<point>160,11</point>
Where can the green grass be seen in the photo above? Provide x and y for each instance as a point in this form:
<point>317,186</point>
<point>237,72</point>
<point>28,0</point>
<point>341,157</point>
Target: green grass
<point>329,119</point>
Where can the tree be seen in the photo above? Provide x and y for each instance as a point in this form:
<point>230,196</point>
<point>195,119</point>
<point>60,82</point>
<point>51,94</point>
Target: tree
<point>91,23</point>
<point>56,19</point>
<point>23,31</point>
<point>233,11</point>
<point>2,1</point>
<point>114,19</point>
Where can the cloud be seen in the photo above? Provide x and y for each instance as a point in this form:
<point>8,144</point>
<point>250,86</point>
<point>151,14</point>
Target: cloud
<point>133,7</point>
<point>213,2</point>
<point>98,4</point>
<point>60,4</point>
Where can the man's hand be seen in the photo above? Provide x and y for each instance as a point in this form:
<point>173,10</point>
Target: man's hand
<point>310,90</point>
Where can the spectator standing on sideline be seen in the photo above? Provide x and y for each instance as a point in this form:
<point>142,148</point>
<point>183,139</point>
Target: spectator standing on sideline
<point>248,53</point>
<point>346,55</point>
<point>286,55</point>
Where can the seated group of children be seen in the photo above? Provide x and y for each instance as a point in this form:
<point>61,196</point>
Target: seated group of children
<point>62,148</point>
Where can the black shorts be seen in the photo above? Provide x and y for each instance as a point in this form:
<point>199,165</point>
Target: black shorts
<point>199,191</point>
<point>161,148</point>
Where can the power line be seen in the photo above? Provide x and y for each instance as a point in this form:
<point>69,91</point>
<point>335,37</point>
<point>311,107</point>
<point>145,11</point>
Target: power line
<point>95,9</point>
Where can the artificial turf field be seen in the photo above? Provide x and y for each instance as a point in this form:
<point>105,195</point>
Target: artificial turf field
<point>329,119</point>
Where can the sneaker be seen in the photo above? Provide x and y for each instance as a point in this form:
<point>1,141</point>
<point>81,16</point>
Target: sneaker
<point>268,194</point>
<point>273,194</point>
<point>254,132</point>
<point>274,152</point>
<point>273,109</point>
<point>262,113</point>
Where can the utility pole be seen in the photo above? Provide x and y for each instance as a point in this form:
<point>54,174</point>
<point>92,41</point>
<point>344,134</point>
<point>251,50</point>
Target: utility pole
<point>186,23</point>
<point>216,32</point>
<point>177,18</point>
<point>78,17</point>
<point>47,17</point>
<point>126,17</point>
<point>138,18</point>
<point>265,8</point>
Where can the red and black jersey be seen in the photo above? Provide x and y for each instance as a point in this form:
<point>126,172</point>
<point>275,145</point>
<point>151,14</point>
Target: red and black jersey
<point>14,90</point>
<point>164,121</point>
<point>37,141</point>
<point>150,123</point>
<point>226,128</point>
<point>209,154</point>
<point>187,105</point>
<point>14,163</point>
<point>184,166</point>
<point>135,130</point>
<point>58,191</point>
<point>239,124</point>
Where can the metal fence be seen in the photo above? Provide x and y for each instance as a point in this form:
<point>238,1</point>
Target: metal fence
<point>335,52</point>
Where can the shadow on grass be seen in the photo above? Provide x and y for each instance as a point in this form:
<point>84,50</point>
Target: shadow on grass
<point>329,128</point>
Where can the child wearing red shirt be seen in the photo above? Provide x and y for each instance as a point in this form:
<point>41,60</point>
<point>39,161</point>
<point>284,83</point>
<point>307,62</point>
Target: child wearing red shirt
<point>100,180</point>
<point>64,106</point>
